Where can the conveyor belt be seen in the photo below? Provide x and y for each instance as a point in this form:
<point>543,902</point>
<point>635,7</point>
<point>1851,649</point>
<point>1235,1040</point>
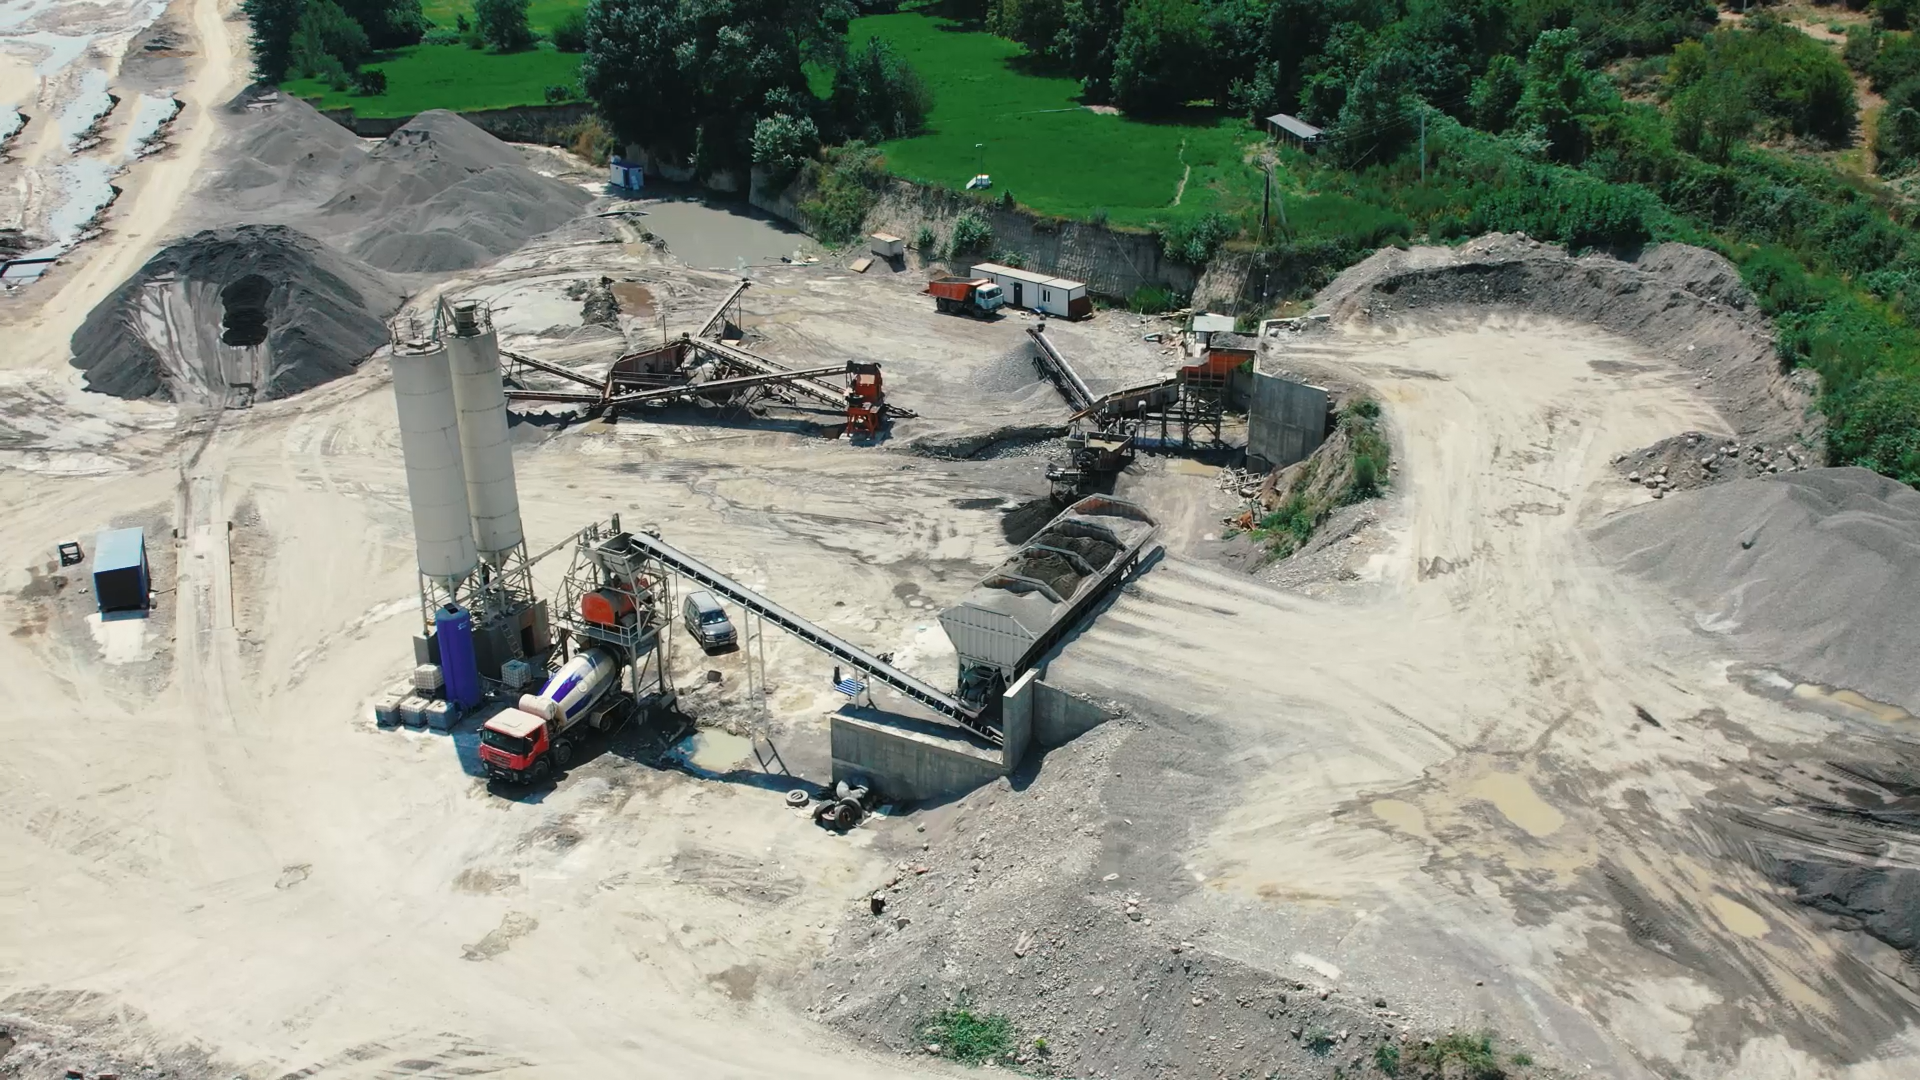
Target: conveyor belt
<point>739,382</point>
<point>1055,367</point>
<point>719,317</point>
<point>813,388</point>
<point>837,647</point>
<point>554,369</point>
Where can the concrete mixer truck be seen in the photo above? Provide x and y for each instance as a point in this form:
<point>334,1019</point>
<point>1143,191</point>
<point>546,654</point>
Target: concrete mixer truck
<point>536,738</point>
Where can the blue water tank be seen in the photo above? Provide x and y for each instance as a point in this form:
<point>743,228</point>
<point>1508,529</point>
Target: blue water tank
<point>453,627</point>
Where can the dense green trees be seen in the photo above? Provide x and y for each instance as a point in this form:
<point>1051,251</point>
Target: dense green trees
<point>327,38</point>
<point>503,24</point>
<point>721,83</point>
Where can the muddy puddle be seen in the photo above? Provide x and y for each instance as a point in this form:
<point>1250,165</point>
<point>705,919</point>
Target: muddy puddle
<point>711,751</point>
<point>1518,803</point>
<point>715,236</point>
<point>1837,702</point>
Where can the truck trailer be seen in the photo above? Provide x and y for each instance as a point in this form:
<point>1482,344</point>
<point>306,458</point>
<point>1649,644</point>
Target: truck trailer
<point>978,297</point>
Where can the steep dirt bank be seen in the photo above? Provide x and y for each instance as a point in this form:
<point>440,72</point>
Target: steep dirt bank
<point>1683,305</point>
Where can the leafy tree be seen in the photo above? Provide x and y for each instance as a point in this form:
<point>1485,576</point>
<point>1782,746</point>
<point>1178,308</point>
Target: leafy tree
<point>570,33</point>
<point>695,77</point>
<point>370,82</point>
<point>1160,59</point>
<point>503,24</point>
<point>1770,71</point>
<point>877,95</point>
<point>1496,94</point>
<point>971,232</point>
<point>1562,94</point>
<point>1034,23</point>
<point>1896,137</point>
<point>1087,39</point>
<point>781,143</point>
<point>1194,242</point>
<point>1380,114</point>
<point>1894,62</point>
<point>274,24</point>
<point>389,24</point>
<point>328,44</point>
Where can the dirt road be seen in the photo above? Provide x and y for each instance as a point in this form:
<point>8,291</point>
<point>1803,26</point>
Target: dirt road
<point>41,321</point>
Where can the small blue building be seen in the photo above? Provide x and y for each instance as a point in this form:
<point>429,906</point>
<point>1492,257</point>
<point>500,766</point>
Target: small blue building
<point>120,570</point>
<point>625,174</point>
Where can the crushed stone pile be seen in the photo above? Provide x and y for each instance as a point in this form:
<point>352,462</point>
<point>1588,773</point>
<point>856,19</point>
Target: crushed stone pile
<point>1816,573</point>
<point>1696,459</point>
<point>440,194</point>
<point>437,195</point>
<point>1683,304</point>
<point>230,316</point>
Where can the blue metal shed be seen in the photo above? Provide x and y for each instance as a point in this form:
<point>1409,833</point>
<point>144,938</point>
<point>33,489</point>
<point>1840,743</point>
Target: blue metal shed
<point>120,569</point>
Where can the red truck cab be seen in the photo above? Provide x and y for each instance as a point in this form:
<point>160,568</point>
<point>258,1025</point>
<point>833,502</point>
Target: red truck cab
<point>514,746</point>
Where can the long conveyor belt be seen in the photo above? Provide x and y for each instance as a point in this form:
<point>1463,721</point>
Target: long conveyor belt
<point>1059,372</point>
<point>813,388</point>
<point>833,645</point>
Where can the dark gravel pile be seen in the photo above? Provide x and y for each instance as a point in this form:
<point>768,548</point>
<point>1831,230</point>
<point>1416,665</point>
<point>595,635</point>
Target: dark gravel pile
<point>1816,573</point>
<point>260,310</point>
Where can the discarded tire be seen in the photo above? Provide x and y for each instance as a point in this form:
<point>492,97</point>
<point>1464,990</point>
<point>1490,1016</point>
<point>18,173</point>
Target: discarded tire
<point>798,798</point>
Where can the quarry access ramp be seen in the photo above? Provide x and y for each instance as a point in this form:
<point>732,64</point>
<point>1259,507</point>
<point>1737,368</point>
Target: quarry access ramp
<point>832,644</point>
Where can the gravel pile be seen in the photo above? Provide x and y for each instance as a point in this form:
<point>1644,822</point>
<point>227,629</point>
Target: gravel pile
<point>437,195</point>
<point>230,316</point>
<point>1696,459</point>
<point>440,194</point>
<point>1816,573</point>
<point>1680,303</point>
<point>1060,907</point>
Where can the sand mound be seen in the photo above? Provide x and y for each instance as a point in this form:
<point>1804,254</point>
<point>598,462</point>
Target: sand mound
<point>1816,573</point>
<point>1683,304</point>
<point>228,316</point>
<point>437,195</point>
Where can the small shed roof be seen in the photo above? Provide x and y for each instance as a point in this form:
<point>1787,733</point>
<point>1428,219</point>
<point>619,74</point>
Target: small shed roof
<point>885,238</point>
<point>1034,276</point>
<point>1294,126</point>
<point>118,549</point>
<point>1209,323</point>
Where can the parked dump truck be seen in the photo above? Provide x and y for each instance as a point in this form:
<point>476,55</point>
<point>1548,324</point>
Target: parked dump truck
<point>536,738</point>
<point>966,296</point>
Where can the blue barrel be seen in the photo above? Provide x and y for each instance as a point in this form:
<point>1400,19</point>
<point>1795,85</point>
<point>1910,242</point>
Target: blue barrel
<point>453,627</point>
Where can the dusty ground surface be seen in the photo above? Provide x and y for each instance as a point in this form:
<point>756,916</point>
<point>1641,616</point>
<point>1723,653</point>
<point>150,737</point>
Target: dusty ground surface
<point>1490,780</point>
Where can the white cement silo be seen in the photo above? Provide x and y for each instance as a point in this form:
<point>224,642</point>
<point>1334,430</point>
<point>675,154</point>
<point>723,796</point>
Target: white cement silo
<point>474,354</point>
<point>436,481</point>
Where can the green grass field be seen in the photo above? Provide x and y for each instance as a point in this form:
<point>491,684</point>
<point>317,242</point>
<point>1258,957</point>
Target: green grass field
<point>423,77</point>
<point>1042,145</point>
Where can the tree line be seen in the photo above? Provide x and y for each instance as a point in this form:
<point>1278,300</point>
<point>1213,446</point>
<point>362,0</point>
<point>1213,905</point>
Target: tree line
<point>722,84</point>
<point>333,40</point>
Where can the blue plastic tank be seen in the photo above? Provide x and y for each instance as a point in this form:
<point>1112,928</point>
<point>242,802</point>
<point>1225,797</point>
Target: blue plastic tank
<point>453,626</point>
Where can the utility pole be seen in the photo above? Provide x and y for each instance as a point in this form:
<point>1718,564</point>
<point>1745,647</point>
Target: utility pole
<point>982,147</point>
<point>1423,142</point>
<point>1266,201</point>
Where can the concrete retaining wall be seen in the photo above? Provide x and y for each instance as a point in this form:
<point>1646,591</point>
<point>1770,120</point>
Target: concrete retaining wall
<point>525,123</point>
<point>1112,263</point>
<point>1286,422</point>
<point>1060,717</point>
<point>910,760</point>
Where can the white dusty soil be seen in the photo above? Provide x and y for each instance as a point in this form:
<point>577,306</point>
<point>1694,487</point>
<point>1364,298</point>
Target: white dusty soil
<point>1491,781</point>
